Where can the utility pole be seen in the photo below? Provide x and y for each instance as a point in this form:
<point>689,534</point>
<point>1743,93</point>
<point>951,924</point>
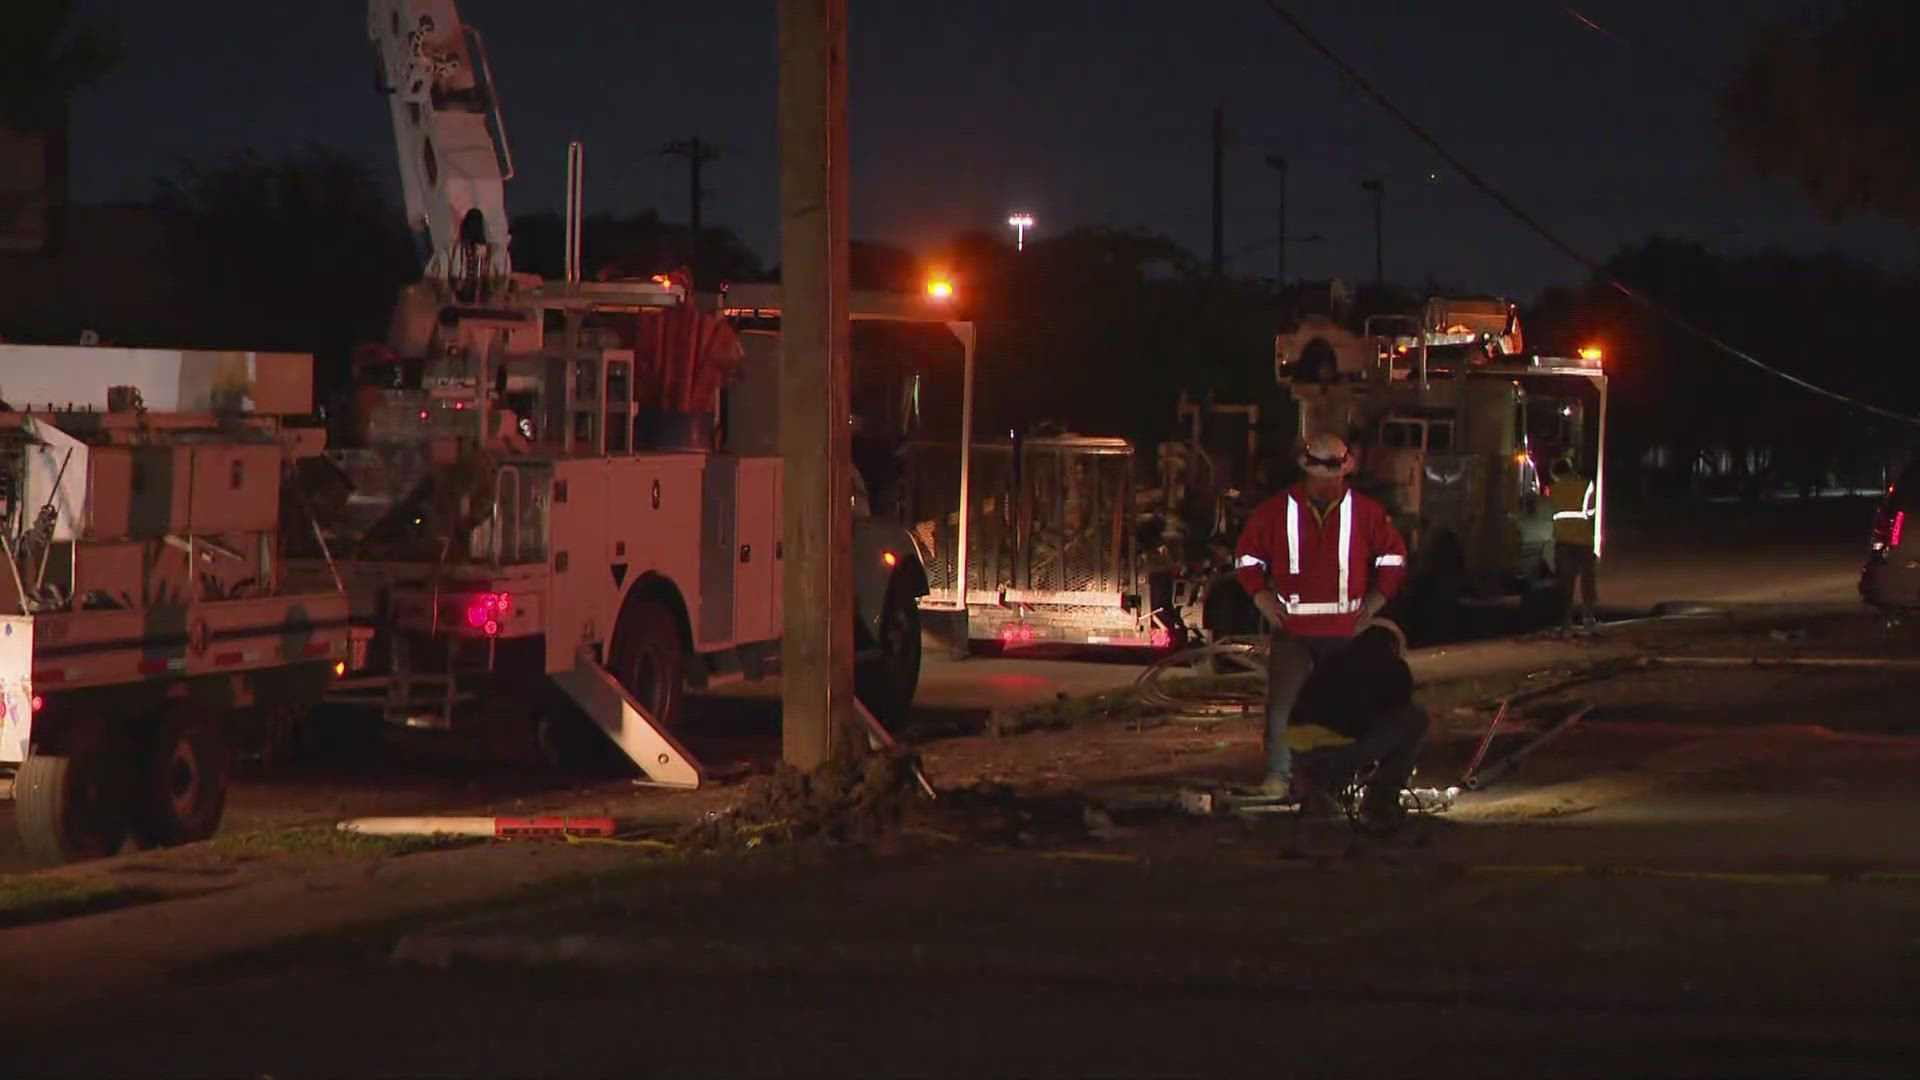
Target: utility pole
<point>1219,191</point>
<point>816,652</point>
<point>1279,165</point>
<point>697,153</point>
<point>1378,190</point>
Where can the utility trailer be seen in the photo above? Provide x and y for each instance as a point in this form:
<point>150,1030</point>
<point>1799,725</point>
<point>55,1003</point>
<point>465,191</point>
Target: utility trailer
<point>1054,556</point>
<point>144,617</point>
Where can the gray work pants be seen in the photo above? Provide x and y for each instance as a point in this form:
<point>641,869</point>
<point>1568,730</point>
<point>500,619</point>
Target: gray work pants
<point>1290,660</point>
<point>1390,741</point>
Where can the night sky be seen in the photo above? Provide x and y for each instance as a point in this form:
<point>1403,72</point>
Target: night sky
<point>1081,111</point>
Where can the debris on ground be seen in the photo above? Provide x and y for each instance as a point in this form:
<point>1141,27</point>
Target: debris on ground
<point>995,814</point>
<point>1124,705</point>
<point>847,801</point>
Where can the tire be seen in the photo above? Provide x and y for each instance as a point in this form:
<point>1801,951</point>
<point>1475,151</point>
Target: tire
<point>182,781</point>
<point>73,804</point>
<point>886,686</point>
<point>647,660</point>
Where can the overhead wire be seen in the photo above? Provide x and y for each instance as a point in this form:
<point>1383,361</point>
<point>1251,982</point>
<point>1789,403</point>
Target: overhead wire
<point>1553,239</point>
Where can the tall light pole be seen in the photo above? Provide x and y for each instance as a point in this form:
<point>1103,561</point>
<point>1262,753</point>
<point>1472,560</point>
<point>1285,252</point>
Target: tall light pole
<point>1378,190</point>
<point>1021,222</point>
<point>1279,164</point>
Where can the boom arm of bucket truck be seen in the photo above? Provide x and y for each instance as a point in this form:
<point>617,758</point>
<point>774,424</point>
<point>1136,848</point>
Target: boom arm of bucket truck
<point>454,161</point>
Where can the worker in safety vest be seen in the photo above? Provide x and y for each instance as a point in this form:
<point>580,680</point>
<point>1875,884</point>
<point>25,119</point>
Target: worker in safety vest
<point>1575,503</point>
<point>1319,560</point>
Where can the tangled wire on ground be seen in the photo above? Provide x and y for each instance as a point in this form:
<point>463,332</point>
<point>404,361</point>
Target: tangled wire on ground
<point>1240,688</point>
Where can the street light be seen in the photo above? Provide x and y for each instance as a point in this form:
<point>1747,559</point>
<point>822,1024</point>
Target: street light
<point>939,288</point>
<point>1021,222</point>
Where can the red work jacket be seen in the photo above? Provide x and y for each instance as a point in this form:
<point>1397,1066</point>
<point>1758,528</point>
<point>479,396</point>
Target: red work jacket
<point>1321,568</point>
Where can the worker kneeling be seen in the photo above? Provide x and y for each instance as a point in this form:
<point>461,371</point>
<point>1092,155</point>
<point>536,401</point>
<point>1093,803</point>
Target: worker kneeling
<point>1319,560</point>
<point>1364,695</point>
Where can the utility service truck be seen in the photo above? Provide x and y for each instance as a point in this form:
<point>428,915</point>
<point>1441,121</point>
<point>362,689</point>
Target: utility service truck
<point>565,491</point>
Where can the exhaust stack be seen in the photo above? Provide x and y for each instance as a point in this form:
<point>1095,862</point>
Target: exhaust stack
<point>576,169</point>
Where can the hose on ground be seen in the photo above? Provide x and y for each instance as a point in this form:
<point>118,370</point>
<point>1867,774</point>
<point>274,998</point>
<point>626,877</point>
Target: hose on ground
<point>1241,688</point>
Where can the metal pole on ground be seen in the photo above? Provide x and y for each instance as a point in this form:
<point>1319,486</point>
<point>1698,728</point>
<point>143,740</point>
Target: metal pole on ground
<point>817,642</point>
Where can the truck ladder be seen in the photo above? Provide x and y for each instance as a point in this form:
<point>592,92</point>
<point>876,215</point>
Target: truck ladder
<point>638,735</point>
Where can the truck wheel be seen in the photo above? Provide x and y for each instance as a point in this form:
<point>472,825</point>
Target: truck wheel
<point>886,685</point>
<point>72,804</point>
<point>183,780</point>
<point>648,662</point>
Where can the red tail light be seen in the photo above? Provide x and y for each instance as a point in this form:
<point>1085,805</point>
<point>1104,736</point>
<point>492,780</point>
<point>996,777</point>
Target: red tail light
<point>1887,529</point>
<point>1160,638</point>
<point>485,612</point>
<point>1016,634</point>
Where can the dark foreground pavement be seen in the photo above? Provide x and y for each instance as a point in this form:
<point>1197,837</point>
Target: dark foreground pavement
<point>975,963</point>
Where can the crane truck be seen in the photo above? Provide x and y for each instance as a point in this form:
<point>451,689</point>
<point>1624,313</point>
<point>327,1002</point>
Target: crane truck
<point>563,494</point>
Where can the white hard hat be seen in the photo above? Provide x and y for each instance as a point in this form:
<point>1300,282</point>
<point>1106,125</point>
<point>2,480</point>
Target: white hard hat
<point>1326,455</point>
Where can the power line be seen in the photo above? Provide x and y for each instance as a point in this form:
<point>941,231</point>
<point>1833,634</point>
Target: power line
<point>1670,65</point>
<point>1365,86</point>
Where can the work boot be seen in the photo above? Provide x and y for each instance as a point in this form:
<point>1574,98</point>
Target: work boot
<point>1381,813</point>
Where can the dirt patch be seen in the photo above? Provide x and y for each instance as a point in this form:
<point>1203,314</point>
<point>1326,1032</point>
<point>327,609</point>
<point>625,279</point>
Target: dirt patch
<point>851,800</point>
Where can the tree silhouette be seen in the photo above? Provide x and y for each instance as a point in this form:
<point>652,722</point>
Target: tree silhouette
<point>1834,107</point>
<point>301,254</point>
<point>632,245</point>
<point>46,55</point>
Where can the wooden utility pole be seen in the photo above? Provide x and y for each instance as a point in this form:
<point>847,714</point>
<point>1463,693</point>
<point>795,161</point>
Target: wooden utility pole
<point>1219,191</point>
<point>697,154</point>
<point>817,643</point>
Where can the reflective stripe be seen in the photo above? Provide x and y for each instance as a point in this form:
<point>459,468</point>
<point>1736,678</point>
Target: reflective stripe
<point>1295,607</point>
<point>1570,515</point>
<point>1248,561</point>
<point>1293,536</point>
<point>1588,504</point>
<point>1390,560</point>
<point>1346,545</point>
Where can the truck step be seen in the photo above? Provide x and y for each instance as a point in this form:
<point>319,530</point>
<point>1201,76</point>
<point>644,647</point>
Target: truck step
<point>639,736</point>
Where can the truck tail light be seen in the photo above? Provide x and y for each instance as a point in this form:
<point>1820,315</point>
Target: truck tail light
<point>1888,526</point>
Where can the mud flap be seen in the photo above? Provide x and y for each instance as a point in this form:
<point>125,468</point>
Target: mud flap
<point>645,742</point>
<point>16,688</point>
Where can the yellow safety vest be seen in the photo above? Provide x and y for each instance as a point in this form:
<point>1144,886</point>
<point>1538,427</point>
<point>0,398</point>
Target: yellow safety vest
<point>1574,508</point>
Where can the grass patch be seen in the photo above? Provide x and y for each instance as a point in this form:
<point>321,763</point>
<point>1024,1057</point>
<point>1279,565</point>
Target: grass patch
<point>30,899</point>
<point>320,841</point>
